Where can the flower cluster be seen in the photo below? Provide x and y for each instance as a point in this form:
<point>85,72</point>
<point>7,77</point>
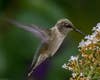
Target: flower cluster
<point>86,66</point>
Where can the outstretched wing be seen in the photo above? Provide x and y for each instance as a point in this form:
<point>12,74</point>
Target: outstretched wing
<point>40,33</point>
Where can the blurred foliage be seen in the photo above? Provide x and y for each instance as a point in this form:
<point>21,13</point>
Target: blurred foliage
<point>17,46</point>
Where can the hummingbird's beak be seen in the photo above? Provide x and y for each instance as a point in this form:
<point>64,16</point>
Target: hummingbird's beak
<point>77,30</point>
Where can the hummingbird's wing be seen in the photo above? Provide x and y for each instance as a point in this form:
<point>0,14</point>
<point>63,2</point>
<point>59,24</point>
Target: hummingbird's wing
<point>40,33</point>
<point>44,35</point>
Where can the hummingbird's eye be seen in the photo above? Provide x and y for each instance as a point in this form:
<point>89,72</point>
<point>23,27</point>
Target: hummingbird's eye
<point>67,25</point>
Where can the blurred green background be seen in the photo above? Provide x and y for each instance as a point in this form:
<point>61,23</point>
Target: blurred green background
<point>17,46</point>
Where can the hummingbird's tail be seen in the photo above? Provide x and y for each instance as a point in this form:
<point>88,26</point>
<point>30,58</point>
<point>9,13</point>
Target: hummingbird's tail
<point>41,58</point>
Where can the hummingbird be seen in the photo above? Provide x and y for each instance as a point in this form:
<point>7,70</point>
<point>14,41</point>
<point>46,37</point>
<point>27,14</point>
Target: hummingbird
<point>51,39</point>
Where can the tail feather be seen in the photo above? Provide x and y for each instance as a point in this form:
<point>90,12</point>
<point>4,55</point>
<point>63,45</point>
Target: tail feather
<point>40,59</point>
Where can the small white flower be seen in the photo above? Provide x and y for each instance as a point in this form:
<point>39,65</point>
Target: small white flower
<point>64,66</point>
<point>69,68</point>
<point>74,75</point>
<point>82,44</point>
<point>81,74</point>
<point>95,40</point>
<point>98,30</point>
<point>73,58</point>
<point>87,42</point>
<point>94,29</point>
<point>98,27</point>
<point>89,37</point>
<point>94,34</point>
<point>97,47</point>
<point>91,67</point>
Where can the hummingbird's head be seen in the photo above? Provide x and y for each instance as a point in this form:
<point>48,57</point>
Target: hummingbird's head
<point>65,26</point>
